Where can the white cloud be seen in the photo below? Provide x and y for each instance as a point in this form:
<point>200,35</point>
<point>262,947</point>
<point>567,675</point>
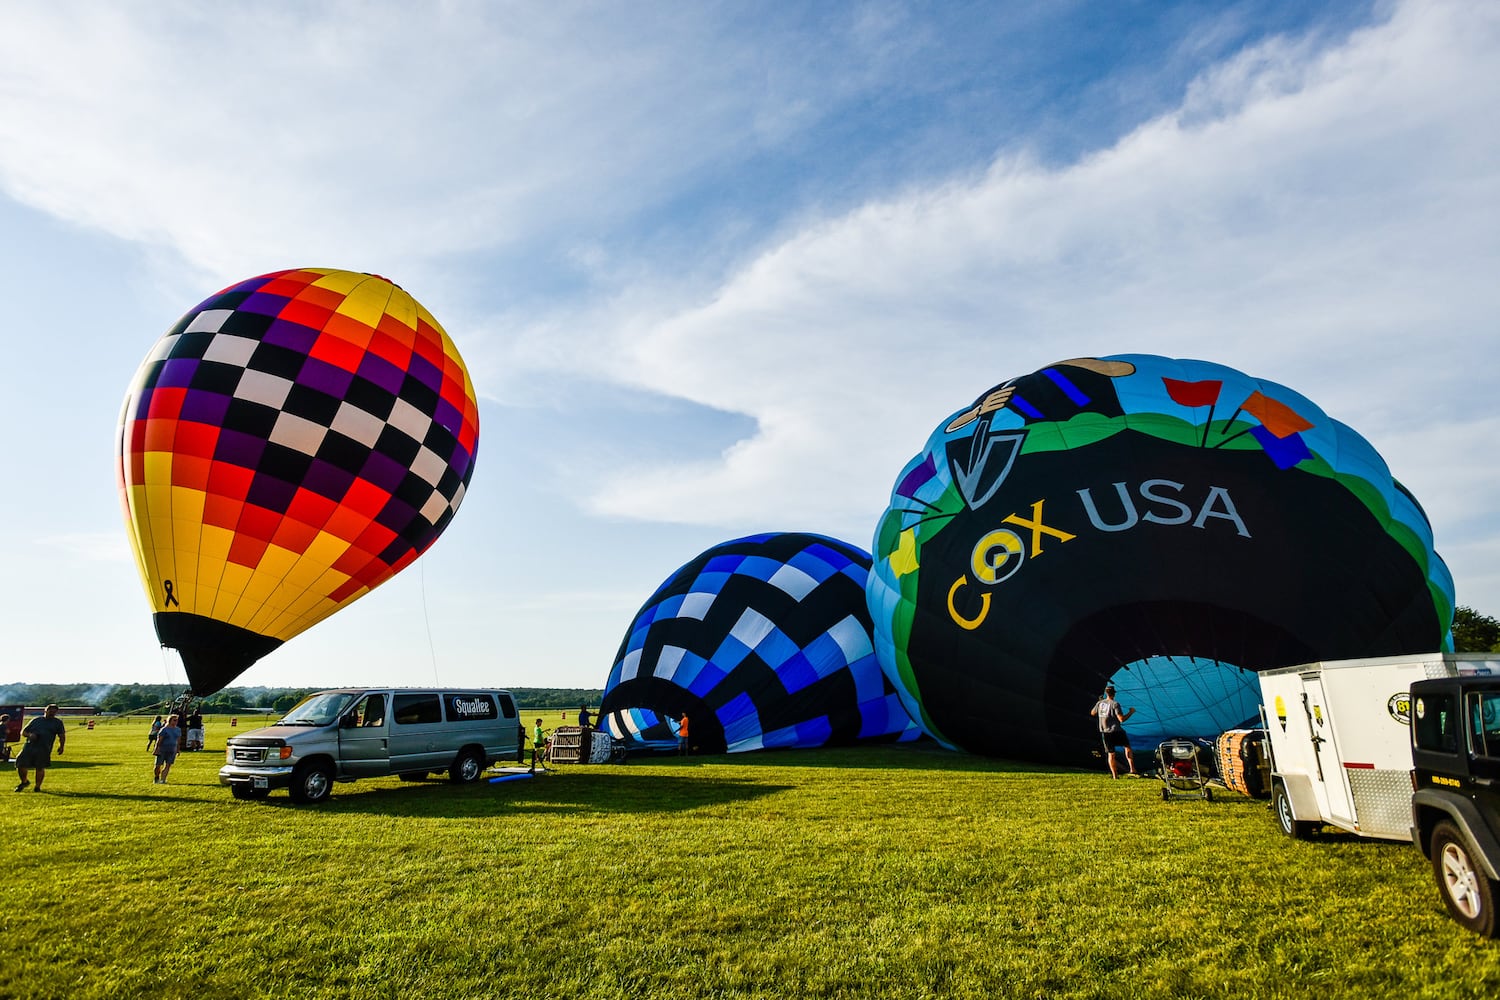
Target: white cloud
<point>1319,218</point>
<point>244,134</point>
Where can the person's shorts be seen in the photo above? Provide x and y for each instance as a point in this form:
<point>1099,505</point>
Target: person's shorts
<point>1116,740</point>
<point>32,755</point>
<point>166,758</point>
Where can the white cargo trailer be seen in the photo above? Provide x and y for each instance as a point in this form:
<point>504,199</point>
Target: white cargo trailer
<point>1340,739</point>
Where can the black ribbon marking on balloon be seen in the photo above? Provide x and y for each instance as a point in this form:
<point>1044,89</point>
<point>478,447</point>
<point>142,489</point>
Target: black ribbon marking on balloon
<point>171,599</point>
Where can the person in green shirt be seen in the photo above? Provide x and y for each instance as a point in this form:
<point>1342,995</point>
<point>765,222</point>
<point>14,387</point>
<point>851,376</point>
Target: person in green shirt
<point>37,753</point>
<point>538,740</point>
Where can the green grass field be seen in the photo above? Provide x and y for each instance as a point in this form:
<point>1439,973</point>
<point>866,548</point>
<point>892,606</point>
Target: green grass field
<point>872,872</point>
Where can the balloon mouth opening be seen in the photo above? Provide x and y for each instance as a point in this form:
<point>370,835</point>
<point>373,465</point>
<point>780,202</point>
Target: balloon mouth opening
<point>213,652</point>
<point>667,701</point>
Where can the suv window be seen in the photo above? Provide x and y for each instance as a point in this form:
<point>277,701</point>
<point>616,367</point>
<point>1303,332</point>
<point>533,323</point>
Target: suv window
<point>1484,723</point>
<point>409,709</point>
<point>1436,723</point>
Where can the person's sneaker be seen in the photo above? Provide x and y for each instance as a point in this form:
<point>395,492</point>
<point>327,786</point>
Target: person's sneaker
<point>22,785</point>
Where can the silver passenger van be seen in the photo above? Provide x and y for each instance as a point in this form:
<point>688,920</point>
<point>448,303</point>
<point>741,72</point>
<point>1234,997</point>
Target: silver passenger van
<point>371,732</point>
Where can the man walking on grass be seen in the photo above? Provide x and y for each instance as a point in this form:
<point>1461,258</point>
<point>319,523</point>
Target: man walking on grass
<point>1112,730</point>
<point>167,743</point>
<point>37,753</point>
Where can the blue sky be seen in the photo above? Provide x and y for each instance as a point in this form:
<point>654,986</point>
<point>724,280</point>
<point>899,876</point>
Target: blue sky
<point>721,268</point>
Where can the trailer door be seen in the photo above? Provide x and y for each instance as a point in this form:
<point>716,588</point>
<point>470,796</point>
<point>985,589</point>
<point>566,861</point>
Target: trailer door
<point>1328,783</point>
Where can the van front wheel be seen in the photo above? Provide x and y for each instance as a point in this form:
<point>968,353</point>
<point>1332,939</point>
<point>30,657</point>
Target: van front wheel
<point>467,767</point>
<point>311,783</point>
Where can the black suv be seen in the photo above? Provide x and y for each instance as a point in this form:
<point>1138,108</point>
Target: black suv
<point>1455,806</point>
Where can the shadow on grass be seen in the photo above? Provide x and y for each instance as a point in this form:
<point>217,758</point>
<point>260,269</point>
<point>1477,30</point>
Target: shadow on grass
<point>159,796</point>
<point>613,792</point>
<point>921,756</point>
<point>67,765</point>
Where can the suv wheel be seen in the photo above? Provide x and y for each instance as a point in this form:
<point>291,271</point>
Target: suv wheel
<point>467,767</point>
<point>311,782</point>
<point>1468,893</point>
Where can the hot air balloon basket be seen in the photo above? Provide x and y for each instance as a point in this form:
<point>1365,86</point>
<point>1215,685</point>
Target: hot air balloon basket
<point>1244,765</point>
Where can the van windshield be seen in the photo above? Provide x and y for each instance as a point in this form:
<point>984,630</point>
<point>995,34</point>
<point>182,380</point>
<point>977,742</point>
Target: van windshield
<point>318,709</point>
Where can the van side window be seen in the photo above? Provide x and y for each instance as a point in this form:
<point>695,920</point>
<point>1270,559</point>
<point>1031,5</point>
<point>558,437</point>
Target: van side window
<point>1436,723</point>
<point>370,711</point>
<point>409,709</point>
<point>463,707</point>
<point>507,707</point>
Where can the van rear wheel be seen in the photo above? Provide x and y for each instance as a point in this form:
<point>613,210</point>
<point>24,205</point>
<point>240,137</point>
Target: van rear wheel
<point>467,768</point>
<point>1467,891</point>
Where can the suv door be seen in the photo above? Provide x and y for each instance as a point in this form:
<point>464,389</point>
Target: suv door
<point>1482,713</point>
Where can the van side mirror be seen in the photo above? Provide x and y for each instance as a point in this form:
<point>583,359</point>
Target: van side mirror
<point>348,722</point>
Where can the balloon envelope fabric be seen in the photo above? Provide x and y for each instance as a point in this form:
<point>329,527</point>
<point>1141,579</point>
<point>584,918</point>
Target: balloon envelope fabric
<point>763,642</point>
<point>1104,511</point>
<point>291,443</point>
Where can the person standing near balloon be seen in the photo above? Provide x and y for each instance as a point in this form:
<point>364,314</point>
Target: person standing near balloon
<point>1112,730</point>
<point>155,731</point>
<point>682,735</point>
<point>167,742</point>
<point>37,753</point>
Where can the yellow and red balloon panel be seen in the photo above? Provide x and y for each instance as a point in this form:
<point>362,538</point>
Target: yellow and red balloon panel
<point>293,442</point>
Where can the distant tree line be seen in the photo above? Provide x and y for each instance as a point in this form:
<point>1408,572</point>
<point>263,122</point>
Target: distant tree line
<point>123,698</point>
<point>1473,632</point>
<point>557,697</point>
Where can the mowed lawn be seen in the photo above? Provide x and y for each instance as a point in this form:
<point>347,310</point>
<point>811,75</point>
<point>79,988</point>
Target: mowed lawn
<point>869,872</point>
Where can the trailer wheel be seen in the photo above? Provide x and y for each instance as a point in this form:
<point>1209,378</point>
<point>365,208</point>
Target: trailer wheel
<point>1281,803</point>
<point>1468,893</point>
<point>312,782</point>
<point>1208,794</point>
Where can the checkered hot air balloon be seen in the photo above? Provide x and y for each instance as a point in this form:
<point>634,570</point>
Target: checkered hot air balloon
<point>290,444</point>
<point>763,642</point>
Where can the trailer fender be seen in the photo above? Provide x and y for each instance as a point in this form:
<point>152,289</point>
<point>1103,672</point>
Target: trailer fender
<point>1299,791</point>
<point>1428,806</point>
